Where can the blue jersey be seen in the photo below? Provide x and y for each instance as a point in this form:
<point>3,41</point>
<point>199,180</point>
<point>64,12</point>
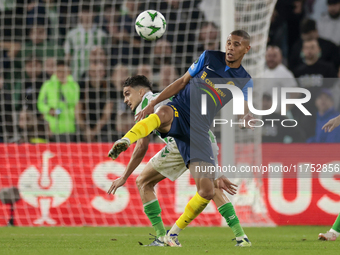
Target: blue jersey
<point>190,127</point>
<point>208,70</point>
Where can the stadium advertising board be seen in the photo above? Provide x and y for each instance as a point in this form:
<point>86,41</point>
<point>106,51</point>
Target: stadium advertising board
<point>66,184</point>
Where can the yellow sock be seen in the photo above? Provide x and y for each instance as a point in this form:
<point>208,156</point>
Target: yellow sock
<point>195,206</point>
<point>143,128</point>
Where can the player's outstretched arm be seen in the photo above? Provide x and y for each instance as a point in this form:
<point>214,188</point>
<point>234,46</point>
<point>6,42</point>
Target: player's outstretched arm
<point>136,158</point>
<point>168,92</point>
<point>331,124</point>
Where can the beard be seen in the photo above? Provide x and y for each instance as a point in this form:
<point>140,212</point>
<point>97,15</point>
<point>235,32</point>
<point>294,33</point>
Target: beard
<point>230,62</point>
<point>335,15</point>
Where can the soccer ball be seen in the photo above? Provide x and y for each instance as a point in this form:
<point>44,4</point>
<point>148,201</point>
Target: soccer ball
<point>150,25</point>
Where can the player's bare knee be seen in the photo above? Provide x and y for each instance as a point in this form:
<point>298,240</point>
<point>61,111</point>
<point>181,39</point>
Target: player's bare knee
<point>143,183</point>
<point>220,198</point>
<point>206,193</point>
<point>140,182</point>
<point>164,113</point>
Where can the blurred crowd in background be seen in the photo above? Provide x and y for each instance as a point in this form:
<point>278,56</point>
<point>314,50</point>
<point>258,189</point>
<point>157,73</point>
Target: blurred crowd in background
<point>63,64</point>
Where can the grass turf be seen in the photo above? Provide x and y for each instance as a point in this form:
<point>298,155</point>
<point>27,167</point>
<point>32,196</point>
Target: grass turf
<point>195,240</point>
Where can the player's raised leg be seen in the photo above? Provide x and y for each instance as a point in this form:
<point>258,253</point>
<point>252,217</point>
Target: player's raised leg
<point>333,233</point>
<point>146,182</point>
<point>161,120</point>
<point>226,209</point>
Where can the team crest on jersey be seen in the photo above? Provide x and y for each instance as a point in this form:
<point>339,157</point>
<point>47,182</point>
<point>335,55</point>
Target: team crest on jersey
<point>193,65</point>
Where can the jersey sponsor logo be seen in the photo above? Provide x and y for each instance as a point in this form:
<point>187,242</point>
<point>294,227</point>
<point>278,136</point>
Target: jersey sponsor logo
<point>214,92</point>
<point>230,83</point>
<point>204,74</point>
<point>211,84</point>
<point>175,110</point>
<point>212,97</point>
<point>211,158</point>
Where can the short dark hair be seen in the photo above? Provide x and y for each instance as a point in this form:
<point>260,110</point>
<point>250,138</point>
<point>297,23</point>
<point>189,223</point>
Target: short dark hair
<point>331,2</point>
<point>311,40</point>
<point>307,26</point>
<point>242,34</point>
<point>61,62</point>
<point>85,7</point>
<point>108,6</point>
<point>137,80</point>
<point>207,23</point>
<point>32,58</point>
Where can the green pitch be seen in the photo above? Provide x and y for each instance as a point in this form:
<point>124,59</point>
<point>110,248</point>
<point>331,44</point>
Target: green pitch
<point>107,240</point>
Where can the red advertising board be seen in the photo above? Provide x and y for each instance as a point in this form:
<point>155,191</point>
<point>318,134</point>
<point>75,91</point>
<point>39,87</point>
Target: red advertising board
<point>313,198</point>
<point>66,184</point>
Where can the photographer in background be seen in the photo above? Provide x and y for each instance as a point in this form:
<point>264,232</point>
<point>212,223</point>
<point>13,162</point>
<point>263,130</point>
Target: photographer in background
<point>57,100</point>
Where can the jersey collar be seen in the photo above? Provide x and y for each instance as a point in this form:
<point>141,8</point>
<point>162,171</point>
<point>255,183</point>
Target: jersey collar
<point>146,94</point>
<point>227,68</point>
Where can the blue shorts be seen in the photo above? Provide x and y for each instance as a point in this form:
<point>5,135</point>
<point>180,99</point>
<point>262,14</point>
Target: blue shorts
<point>194,145</point>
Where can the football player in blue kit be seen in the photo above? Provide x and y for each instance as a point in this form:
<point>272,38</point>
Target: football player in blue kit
<point>182,119</point>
